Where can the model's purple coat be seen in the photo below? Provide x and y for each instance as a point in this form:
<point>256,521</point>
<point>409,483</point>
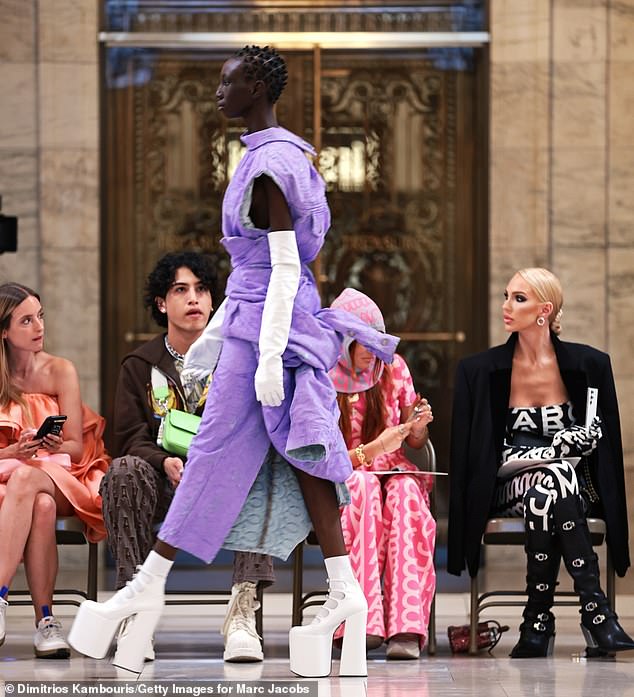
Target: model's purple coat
<point>236,431</point>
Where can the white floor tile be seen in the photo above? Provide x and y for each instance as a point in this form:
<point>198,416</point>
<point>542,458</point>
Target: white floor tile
<point>189,647</point>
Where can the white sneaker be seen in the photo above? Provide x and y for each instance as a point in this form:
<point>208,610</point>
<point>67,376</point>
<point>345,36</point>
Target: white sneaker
<point>48,641</point>
<point>3,626</point>
<point>242,643</point>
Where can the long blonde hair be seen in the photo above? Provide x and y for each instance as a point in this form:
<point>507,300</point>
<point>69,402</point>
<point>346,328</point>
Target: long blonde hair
<point>548,289</point>
<point>11,295</point>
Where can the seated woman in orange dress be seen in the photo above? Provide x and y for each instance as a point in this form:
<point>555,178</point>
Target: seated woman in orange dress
<point>41,478</point>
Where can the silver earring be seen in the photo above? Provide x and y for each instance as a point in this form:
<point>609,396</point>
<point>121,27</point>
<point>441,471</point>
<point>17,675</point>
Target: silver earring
<point>541,321</point>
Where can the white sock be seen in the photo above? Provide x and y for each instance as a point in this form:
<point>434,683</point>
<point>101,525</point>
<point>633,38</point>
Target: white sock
<point>157,565</point>
<point>339,568</point>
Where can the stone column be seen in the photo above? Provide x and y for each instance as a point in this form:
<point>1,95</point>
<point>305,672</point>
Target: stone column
<point>19,185</point>
<point>69,181</point>
<point>519,144</point>
<point>620,228</point>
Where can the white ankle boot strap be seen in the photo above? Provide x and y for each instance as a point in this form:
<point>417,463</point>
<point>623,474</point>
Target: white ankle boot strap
<point>337,585</point>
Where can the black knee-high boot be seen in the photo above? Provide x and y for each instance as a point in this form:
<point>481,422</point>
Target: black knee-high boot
<point>537,631</point>
<point>598,621</point>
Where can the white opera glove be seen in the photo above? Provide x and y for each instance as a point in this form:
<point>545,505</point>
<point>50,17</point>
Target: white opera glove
<point>202,357</point>
<point>276,316</point>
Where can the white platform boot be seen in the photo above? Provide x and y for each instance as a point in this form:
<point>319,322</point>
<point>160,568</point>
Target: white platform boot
<point>143,597</point>
<point>310,646</point>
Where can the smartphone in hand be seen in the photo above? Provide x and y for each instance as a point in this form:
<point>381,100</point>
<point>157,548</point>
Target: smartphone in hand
<point>591,405</point>
<point>51,425</point>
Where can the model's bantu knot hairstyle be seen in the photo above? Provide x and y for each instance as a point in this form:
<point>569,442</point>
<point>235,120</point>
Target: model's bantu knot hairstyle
<point>267,65</point>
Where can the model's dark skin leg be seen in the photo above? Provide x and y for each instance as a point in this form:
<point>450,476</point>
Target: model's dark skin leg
<point>165,550</point>
<point>321,501</point>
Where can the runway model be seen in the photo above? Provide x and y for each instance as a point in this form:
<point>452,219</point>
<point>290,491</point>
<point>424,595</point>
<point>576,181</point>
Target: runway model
<point>270,394</point>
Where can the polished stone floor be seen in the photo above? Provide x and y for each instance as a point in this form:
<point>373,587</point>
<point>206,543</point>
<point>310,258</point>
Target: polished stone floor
<point>189,647</point>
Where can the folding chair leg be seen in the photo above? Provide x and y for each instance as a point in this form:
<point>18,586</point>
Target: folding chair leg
<point>91,585</point>
<point>610,580</point>
<point>431,629</point>
<point>474,616</point>
<point>298,585</point>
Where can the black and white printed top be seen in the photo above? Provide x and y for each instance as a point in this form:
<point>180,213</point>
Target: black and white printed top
<point>541,421</point>
<point>529,430</point>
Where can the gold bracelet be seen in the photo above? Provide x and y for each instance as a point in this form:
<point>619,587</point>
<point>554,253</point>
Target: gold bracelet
<point>358,451</point>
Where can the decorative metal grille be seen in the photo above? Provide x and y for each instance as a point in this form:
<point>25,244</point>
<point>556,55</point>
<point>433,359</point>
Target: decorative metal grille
<point>299,16</point>
<point>391,183</point>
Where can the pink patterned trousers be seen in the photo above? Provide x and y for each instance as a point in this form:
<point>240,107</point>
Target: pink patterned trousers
<point>390,536</point>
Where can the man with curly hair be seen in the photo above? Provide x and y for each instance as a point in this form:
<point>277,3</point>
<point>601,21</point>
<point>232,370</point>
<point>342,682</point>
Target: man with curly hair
<point>140,483</point>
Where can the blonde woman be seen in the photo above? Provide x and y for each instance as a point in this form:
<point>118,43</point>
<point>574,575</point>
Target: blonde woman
<point>520,446</point>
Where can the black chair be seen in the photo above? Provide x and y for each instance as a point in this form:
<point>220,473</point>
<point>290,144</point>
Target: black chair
<point>510,531</point>
<point>70,530</point>
<point>302,601</point>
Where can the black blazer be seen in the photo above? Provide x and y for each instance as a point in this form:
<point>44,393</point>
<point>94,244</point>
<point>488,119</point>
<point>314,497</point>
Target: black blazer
<point>481,398</point>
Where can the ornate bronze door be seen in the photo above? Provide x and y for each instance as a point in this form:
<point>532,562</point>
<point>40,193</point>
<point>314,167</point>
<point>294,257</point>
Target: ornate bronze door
<point>399,140</point>
<point>398,143</point>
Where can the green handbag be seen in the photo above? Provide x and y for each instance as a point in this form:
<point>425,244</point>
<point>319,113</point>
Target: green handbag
<point>179,427</point>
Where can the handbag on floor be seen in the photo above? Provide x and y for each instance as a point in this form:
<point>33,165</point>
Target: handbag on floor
<point>488,636</point>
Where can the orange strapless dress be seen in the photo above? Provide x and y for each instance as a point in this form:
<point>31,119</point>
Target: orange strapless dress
<point>78,481</point>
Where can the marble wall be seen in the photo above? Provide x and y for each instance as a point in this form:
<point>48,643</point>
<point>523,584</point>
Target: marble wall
<point>49,168</point>
<point>562,170</point>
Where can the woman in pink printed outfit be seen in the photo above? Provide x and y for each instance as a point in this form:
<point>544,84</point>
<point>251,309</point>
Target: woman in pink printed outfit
<point>388,528</point>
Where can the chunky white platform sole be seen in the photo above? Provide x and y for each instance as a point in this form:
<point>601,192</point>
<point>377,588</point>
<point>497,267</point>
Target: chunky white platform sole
<point>93,631</point>
<point>310,646</point>
<point>96,624</point>
<point>128,643</point>
<point>122,639</point>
